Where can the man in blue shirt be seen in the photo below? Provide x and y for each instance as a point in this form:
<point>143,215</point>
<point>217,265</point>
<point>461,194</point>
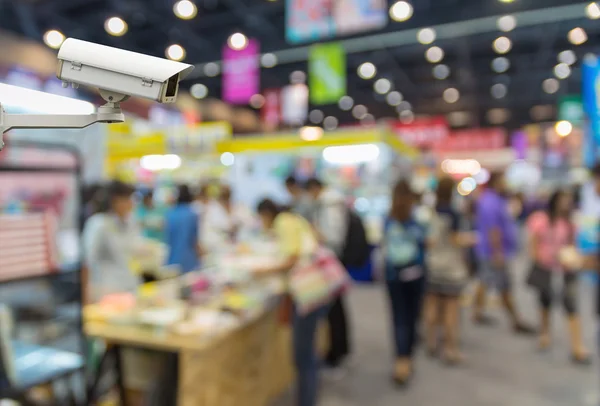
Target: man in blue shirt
<point>497,246</point>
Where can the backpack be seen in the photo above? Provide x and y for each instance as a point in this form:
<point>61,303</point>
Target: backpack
<point>357,251</point>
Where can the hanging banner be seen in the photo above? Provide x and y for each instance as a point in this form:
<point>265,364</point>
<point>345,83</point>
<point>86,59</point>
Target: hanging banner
<point>327,73</point>
<point>313,20</point>
<point>198,139</point>
<point>474,139</point>
<point>271,111</point>
<point>241,73</point>
<point>294,104</point>
<point>422,132</point>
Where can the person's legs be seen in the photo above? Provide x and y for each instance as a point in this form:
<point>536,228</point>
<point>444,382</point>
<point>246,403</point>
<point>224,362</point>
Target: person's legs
<point>504,282</point>
<point>431,310</point>
<point>485,275</point>
<point>338,334</point>
<point>451,306</point>
<point>570,293</point>
<point>305,357</point>
<point>414,302</point>
<point>397,294</point>
<point>545,307</point>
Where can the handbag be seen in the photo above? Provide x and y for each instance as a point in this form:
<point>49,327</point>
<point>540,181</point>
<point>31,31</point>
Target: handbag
<point>317,281</point>
<point>540,278</point>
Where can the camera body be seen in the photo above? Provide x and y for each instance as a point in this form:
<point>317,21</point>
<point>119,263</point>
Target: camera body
<point>117,72</point>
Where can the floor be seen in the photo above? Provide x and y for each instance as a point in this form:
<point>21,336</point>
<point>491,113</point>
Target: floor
<point>501,369</point>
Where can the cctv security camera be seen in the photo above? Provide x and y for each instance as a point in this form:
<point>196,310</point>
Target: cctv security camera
<point>119,74</point>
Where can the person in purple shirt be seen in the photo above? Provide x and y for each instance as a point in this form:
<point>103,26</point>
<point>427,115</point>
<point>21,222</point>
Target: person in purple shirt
<point>497,246</point>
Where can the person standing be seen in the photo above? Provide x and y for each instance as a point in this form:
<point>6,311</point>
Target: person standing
<point>497,246</point>
<point>151,218</point>
<point>181,232</point>
<point>300,203</point>
<point>330,219</point>
<point>404,251</point>
<point>551,232</point>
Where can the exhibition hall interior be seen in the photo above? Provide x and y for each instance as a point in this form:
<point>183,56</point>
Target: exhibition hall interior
<point>299,202</point>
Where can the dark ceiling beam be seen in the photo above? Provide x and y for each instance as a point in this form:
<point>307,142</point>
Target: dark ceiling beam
<point>27,20</point>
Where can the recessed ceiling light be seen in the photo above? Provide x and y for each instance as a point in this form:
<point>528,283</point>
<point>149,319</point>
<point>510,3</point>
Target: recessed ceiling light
<point>359,111</point>
<point>257,101</point>
<point>175,52</point>
<point>54,38</point>
<point>297,77</point>
<point>426,36</point>
<point>541,112</point>
<point>441,72</point>
<point>434,54</point>
<point>316,116</point>
<point>394,98</point>
<point>592,10</point>
<point>185,9</point>
<point>577,36</point>
<point>401,11</point>
<point>115,26</point>
<point>506,1</point>
<point>499,91</point>
<point>199,91</point>
<point>500,64</point>
<point>407,117</point>
<point>502,45</point>
<point>451,95</point>
<point>345,103</point>
<point>211,69</point>
<point>459,118</point>
<point>562,71</point>
<point>368,119</point>
<point>367,70</point>
<point>330,123</point>
<point>567,57</point>
<point>403,106</point>
<point>382,86</point>
<point>268,60</point>
<point>497,116</point>
<point>507,23</point>
<point>551,85</point>
<point>237,41</point>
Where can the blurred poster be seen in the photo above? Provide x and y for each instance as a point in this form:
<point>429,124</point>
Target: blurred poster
<point>327,73</point>
<point>422,132</point>
<point>570,108</point>
<point>591,106</point>
<point>271,110</point>
<point>312,20</point>
<point>474,139</point>
<point>241,73</point>
<point>294,104</point>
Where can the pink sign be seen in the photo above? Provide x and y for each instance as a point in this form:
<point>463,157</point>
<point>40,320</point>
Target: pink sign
<point>241,73</point>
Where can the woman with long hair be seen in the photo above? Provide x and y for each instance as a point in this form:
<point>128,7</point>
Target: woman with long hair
<point>404,250</point>
<point>447,273</point>
<point>552,233</point>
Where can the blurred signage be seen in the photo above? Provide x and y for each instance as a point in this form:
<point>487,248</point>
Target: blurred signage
<point>271,111</point>
<point>241,73</point>
<point>125,143</point>
<point>422,132</point>
<point>312,20</point>
<point>294,104</point>
<point>477,139</point>
<point>570,108</point>
<point>327,73</point>
<point>591,106</point>
<point>519,143</point>
<point>36,156</point>
<point>199,138</point>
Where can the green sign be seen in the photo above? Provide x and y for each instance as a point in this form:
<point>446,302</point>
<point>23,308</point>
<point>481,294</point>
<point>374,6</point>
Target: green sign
<point>327,73</point>
<point>570,108</point>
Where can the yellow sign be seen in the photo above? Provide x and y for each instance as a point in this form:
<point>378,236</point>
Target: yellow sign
<point>124,143</point>
<point>198,139</point>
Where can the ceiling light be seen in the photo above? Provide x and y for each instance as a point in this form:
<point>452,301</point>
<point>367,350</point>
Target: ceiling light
<point>507,23</point>
<point>592,10</point>
<point>403,106</point>
<point>502,45</point>
<point>500,64</point>
<point>330,123</point>
<point>257,101</point>
<point>311,133</point>
<point>506,1</point>
<point>175,52</point>
<point>499,91</point>
<point>199,91</point>
<point>345,103</point>
<point>394,98</point>
<point>316,116</point>
<point>185,9</point>
<point>367,70</point>
<point>297,77</point>
<point>227,159</point>
<point>550,86</point>
<point>237,41</point>
<point>212,69</point>
<point>563,128</point>
<point>407,117</point>
<point>562,71</point>
<point>359,111</point>
<point>451,95</point>
<point>577,36</point>
<point>368,119</point>
<point>434,54</point>
<point>441,72</point>
<point>459,118</point>
<point>426,36</point>
<point>268,60</point>
<point>382,86</point>
<point>497,116</point>
<point>567,57</point>
<point>115,26</point>
<point>401,11</point>
<point>54,38</point>
<point>351,154</point>
<point>541,112</point>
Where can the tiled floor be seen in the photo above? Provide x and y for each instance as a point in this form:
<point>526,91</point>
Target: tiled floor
<point>502,370</point>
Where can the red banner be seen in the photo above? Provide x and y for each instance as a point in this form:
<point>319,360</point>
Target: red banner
<point>422,132</point>
<point>476,139</point>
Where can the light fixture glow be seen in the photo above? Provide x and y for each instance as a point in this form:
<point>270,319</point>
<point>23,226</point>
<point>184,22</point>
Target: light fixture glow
<point>199,91</point>
<point>237,41</point>
<point>562,71</point>
<point>434,54</point>
<point>567,57</point>
<point>426,36</point>
<point>316,116</point>
<point>351,154</point>
<point>367,70</point>
<point>497,116</point>
<point>451,95</point>
<point>268,60</point>
<point>115,26</point>
<point>461,166</point>
<point>550,86</point>
<point>54,38</point>
<point>359,111</point>
<point>499,90</point>
<point>185,9</point>
<point>500,64</point>
<point>257,101</point>
<point>311,133</point>
<point>592,10</point>
<point>394,98</point>
<point>403,106</point>
<point>401,11</point>
<point>330,123</point>
<point>175,52</point>
<point>407,117</point>
<point>502,45</point>
<point>577,36</point>
<point>345,103</point>
<point>227,159</point>
<point>157,163</point>
<point>441,72</point>
<point>212,69</point>
<point>297,77</point>
<point>507,23</point>
<point>382,86</point>
<point>563,128</point>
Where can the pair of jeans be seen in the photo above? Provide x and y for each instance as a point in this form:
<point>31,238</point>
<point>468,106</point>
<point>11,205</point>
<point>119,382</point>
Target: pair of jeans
<point>305,355</point>
<point>406,299</point>
<point>339,340</point>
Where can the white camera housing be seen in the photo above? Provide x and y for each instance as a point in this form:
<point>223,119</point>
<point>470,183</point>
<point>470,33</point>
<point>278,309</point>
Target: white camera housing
<point>117,72</point>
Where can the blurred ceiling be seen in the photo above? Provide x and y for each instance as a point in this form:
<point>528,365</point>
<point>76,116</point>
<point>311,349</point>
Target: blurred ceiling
<point>466,30</point>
